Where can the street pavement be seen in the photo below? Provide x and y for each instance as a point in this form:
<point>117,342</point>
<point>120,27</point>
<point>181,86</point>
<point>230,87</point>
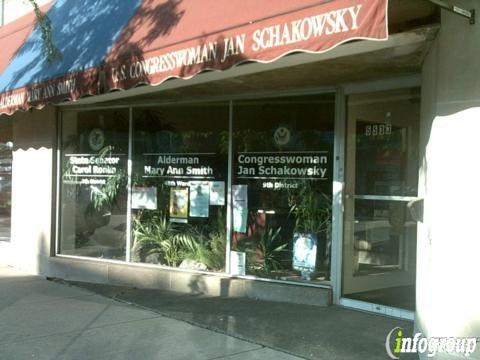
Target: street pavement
<point>46,320</point>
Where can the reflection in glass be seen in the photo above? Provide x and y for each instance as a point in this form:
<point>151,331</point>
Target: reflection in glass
<point>381,236</point>
<point>93,187</point>
<point>385,159</point>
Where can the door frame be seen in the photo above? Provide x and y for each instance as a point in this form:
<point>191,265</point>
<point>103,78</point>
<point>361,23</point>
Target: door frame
<point>339,190</point>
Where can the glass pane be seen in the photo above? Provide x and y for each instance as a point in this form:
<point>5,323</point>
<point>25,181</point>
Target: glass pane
<point>283,160</point>
<point>386,159</point>
<point>180,167</point>
<point>94,179</point>
<point>6,148</point>
<point>382,233</point>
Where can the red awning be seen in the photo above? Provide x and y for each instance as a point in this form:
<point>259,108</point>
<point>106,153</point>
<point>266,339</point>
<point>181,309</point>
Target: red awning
<point>162,39</point>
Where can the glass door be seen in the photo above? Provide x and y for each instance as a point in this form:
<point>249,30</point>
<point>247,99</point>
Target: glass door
<point>379,249</point>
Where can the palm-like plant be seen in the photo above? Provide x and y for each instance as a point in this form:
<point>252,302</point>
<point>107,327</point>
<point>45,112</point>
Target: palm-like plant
<point>104,195</point>
<point>211,251</point>
<point>212,244</point>
<point>266,250</point>
<point>156,235</point>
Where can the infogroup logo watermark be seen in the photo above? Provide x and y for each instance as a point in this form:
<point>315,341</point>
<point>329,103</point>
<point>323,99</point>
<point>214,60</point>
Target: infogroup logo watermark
<point>397,343</point>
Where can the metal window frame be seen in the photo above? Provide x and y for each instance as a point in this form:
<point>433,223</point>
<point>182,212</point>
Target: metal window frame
<point>128,230</point>
<point>2,14</point>
<point>229,217</point>
<point>201,100</point>
<point>58,180</point>
<point>337,198</point>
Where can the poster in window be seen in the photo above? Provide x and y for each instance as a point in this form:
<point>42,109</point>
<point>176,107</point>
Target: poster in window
<point>179,204</point>
<point>144,198</point>
<point>237,263</point>
<point>304,251</point>
<point>217,193</point>
<point>199,198</point>
<point>240,208</point>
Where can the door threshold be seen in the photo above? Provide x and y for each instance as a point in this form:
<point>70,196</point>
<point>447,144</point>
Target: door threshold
<point>378,309</point>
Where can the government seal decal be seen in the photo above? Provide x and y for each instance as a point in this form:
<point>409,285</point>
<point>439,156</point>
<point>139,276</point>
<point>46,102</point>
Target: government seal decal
<point>96,139</point>
<point>282,136</point>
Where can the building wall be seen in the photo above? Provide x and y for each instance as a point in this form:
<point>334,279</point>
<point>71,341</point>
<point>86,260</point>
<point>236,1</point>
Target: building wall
<point>34,138</point>
<point>13,9</point>
<point>448,287</point>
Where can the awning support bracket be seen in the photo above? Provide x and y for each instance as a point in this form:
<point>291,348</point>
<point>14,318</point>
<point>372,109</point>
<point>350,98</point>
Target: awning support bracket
<point>469,14</point>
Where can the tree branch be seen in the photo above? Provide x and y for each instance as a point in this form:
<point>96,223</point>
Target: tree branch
<point>43,21</point>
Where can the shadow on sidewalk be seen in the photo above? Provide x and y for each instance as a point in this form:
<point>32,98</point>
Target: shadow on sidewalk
<point>308,331</point>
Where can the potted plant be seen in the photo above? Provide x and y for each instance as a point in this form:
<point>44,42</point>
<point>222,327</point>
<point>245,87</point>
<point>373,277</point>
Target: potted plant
<point>155,237</point>
<point>264,250</point>
<point>311,210</point>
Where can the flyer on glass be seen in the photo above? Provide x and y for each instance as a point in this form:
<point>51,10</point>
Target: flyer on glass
<point>179,204</point>
<point>199,198</point>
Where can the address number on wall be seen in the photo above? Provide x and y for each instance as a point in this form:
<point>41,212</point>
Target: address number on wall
<point>378,130</point>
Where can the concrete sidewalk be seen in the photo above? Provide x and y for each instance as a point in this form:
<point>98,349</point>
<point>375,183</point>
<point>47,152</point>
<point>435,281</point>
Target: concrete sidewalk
<point>40,319</point>
<point>310,332</point>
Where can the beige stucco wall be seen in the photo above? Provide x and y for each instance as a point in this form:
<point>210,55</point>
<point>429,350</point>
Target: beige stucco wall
<point>34,138</point>
<point>448,283</point>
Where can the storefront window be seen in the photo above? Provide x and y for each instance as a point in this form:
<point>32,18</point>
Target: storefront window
<point>180,166</point>
<point>282,187</point>
<point>6,147</point>
<point>94,184</point>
